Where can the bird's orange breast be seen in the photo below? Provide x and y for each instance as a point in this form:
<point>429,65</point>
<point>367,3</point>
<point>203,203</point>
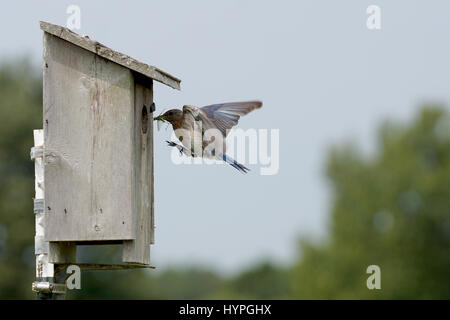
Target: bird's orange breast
<point>177,124</point>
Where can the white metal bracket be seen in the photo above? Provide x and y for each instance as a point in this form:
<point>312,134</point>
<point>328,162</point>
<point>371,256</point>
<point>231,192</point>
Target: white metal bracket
<point>36,152</point>
<point>48,287</point>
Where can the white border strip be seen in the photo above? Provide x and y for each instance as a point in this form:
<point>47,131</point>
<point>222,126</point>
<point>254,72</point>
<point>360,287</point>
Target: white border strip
<point>44,269</point>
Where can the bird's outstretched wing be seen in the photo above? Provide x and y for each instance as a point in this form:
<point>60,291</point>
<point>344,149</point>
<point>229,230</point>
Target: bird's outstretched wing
<point>226,115</point>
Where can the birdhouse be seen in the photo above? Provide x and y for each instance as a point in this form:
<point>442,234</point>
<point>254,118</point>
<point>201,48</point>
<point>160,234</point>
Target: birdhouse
<point>98,147</point>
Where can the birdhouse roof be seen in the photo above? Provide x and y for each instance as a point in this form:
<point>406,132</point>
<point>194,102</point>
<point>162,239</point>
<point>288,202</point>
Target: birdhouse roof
<point>109,54</point>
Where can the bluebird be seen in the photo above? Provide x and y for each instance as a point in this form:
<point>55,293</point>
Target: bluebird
<point>202,131</point>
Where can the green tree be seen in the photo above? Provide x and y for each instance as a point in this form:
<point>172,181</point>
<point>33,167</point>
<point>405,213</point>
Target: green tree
<point>179,283</point>
<point>20,111</point>
<point>390,210</point>
<point>261,281</point>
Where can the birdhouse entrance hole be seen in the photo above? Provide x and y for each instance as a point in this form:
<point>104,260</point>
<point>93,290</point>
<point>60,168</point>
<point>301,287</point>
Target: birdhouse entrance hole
<point>144,119</point>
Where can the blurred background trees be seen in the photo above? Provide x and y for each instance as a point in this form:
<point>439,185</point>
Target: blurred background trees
<point>20,113</point>
<point>390,209</point>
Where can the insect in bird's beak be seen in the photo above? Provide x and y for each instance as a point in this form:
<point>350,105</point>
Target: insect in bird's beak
<point>160,119</point>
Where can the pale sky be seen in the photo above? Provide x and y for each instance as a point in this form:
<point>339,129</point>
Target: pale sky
<point>323,76</point>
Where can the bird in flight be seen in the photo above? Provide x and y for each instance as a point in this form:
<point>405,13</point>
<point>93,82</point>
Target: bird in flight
<point>202,131</point>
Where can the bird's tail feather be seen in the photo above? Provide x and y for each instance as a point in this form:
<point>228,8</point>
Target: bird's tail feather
<point>235,164</point>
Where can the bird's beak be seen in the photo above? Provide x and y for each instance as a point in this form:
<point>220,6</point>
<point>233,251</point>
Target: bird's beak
<point>159,118</point>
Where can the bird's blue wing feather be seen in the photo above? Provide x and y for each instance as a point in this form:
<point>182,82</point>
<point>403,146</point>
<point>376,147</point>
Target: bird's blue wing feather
<point>226,115</point>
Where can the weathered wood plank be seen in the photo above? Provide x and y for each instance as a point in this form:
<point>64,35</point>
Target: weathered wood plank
<point>152,174</point>
<point>62,252</point>
<point>88,121</point>
<point>107,53</point>
<point>138,250</point>
<point>149,178</point>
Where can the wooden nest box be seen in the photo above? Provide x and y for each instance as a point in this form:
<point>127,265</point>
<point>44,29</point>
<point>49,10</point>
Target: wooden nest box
<point>98,147</point>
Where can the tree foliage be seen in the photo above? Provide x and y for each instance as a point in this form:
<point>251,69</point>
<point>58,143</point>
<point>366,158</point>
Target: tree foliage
<point>390,210</point>
<point>20,111</point>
